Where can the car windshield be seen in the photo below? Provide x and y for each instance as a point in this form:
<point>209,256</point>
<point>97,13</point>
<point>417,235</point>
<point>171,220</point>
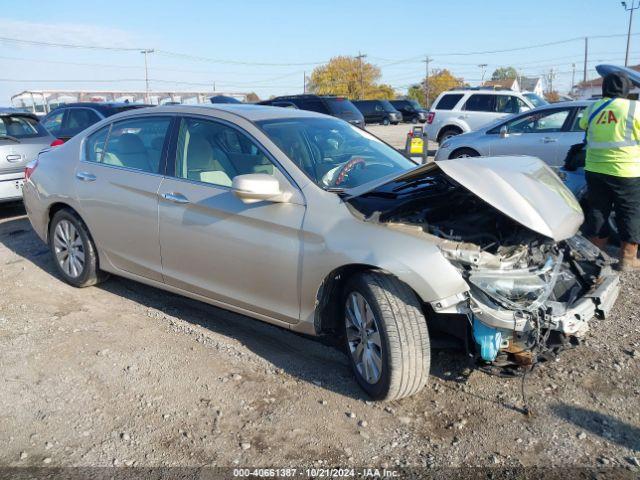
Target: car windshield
<point>387,106</point>
<point>535,99</point>
<point>415,104</point>
<point>333,153</point>
<point>340,105</point>
<point>20,126</point>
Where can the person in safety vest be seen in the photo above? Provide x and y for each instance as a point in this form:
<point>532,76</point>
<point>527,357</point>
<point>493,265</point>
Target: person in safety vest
<point>612,167</point>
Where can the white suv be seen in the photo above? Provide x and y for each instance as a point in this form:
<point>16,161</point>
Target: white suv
<point>464,110</point>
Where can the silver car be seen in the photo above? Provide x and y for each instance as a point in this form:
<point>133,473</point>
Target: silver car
<point>307,222</point>
<point>546,132</point>
<point>21,139</point>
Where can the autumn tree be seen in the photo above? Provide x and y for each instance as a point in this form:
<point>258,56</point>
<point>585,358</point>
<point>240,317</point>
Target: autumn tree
<point>252,97</point>
<point>347,76</point>
<point>439,81</point>
<point>552,96</point>
<point>504,73</point>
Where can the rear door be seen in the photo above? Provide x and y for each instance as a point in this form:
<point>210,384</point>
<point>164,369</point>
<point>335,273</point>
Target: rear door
<point>480,110</point>
<point>117,186</point>
<point>538,133</point>
<point>213,244</point>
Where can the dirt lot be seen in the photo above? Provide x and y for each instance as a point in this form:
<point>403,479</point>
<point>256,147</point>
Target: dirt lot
<point>124,374</point>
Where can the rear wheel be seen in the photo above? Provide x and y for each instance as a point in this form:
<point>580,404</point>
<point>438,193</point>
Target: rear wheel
<point>386,336</point>
<point>448,133</point>
<point>464,153</point>
<point>74,253</point>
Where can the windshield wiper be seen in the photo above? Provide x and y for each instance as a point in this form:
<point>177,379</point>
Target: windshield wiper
<point>9,137</point>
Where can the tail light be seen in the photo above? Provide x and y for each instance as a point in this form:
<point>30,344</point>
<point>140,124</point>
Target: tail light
<point>56,142</point>
<point>430,117</point>
<point>29,169</point>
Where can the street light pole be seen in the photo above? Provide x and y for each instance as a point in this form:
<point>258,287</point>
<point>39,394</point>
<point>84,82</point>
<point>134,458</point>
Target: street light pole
<point>146,72</point>
<point>361,56</point>
<point>426,61</point>
<point>483,66</point>
<point>629,9</point>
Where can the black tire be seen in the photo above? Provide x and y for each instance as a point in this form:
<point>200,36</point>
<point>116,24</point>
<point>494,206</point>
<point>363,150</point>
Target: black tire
<point>90,274</point>
<point>385,121</point>
<point>447,133</point>
<point>404,337</point>
<point>464,152</point>
<point>414,120</point>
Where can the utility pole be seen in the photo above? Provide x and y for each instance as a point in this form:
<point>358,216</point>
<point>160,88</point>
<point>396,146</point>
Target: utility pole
<point>573,77</point>
<point>483,66</point>
<point>586,57</point>
<point>629,9</point>
<point>146,72</point>
<point>550,77</point>
<point>304,82</point>
<point>427,60</point>
<point>360,57</point>
<point>214,86</point>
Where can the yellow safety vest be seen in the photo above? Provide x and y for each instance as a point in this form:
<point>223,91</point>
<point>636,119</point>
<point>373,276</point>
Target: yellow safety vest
<point>613,137</point>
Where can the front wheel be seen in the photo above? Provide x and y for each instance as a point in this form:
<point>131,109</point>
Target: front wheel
<point>386,336</point>
<point>414,120</point>
<point>464,153</point>
<point>74,253</point>
<point>385,121</point>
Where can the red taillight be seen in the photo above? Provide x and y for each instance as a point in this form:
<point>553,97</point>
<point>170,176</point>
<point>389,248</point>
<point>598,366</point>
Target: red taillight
<point>430,117</point>
<point>29,169</point>
<point>56,142</point>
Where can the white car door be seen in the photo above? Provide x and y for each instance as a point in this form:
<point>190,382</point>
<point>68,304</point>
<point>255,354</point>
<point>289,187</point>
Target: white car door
<point>538,134</point>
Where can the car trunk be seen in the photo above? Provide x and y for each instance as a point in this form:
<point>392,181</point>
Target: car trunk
<point>509,226</point>
<point>15,154</point>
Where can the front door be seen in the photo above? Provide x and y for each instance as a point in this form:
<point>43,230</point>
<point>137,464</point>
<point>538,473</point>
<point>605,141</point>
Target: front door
<point>538,134</point>
<point>213,244</point>
<point>117,185</point>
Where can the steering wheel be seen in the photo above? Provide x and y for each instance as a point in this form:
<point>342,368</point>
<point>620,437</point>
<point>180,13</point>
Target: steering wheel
<point>346,169</point>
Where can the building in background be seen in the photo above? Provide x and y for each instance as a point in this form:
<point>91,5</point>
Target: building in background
<point>593,88</point>
<point>506,83</point>
<point>532,84</point>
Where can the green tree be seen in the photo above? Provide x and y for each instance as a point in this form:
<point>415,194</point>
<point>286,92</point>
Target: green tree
<point>346,76</point>
<point>504,73</point>
<point>439,81</point>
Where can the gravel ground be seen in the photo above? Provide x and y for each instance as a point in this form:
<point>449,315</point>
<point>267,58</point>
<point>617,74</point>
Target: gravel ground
<point>127,375</point>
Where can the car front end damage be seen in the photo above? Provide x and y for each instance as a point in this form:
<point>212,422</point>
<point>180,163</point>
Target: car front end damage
<point>529,300</point>
<point>510,228</point>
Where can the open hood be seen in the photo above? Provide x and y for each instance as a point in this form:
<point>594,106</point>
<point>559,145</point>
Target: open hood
<point>523,188</point>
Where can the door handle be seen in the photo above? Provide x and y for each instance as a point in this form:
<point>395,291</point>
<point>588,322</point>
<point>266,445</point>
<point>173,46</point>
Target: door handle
<point>175,197</point>
<point>14,158</point>
<point>549,140</point>
<point>85,176</point>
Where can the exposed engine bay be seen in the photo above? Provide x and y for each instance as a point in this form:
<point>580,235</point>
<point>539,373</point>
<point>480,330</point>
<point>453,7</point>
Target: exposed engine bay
<point>528,294</point>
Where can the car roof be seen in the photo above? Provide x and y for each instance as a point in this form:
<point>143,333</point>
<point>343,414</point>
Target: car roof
<point>4,111</point>
<point>250,112</point>
<point>483,91</point>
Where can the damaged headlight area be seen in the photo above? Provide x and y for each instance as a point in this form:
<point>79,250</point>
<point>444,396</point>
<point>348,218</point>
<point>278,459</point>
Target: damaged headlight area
<point>523,289</point>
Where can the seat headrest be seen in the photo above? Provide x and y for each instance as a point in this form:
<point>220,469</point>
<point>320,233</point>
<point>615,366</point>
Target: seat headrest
<point>199,153</point>
<point>130,143</point>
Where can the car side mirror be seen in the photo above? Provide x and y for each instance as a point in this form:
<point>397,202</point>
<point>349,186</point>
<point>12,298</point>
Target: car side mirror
<point>504,132</point>
<point>258,187</point>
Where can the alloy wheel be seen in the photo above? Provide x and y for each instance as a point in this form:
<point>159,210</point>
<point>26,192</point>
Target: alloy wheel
<point>363,338</point>
<point>69,248</point>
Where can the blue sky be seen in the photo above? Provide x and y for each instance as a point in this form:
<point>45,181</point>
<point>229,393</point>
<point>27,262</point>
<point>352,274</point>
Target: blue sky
<point>241,33</point>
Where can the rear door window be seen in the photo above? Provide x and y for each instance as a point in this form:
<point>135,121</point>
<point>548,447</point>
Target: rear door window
<point>137,143</point>
<point>481,103</point>
<point>95,145</point>
<point>448,101</point>
<point>78,119</point>
<point>575,126</point>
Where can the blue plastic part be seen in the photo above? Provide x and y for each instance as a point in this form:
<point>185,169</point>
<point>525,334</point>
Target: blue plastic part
<point>488,338</point>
